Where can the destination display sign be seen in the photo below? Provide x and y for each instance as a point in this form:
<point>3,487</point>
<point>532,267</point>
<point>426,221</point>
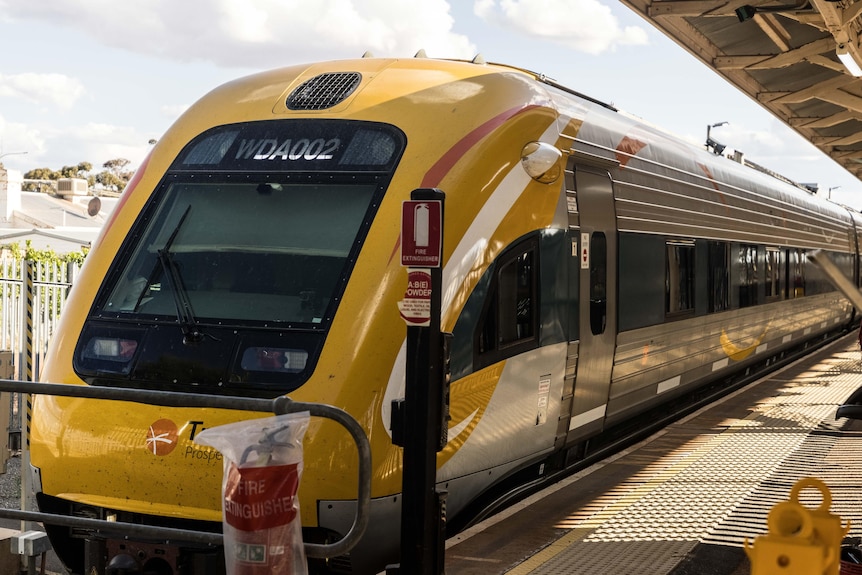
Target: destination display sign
<point>295,145</point>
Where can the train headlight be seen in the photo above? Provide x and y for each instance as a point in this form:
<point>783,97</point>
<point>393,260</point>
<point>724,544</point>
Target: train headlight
<point>108,350</point>
<point>111,348</point>
<point>276,359</point>
<point>541,161</point>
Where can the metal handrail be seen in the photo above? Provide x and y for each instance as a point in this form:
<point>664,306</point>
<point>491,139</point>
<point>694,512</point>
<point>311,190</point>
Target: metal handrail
<point>363,500</point>
<point>279,406</point>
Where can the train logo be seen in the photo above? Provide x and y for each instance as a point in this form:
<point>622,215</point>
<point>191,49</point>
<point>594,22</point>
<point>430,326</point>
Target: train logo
<point>162,437</point>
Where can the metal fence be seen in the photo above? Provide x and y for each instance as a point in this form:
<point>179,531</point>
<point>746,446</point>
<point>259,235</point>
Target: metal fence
<point>32,298</point>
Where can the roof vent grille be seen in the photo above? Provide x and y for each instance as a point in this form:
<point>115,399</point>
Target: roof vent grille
<point>323,91</point>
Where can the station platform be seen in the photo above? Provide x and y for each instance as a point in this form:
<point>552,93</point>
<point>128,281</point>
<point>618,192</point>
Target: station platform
<point>683,501</point>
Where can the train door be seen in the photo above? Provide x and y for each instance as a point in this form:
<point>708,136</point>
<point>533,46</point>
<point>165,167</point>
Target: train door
<point>856,219</point>
<point>594,228</point>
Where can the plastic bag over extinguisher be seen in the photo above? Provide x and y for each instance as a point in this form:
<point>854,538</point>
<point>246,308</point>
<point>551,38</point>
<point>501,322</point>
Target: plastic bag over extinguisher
<point>262,469</point>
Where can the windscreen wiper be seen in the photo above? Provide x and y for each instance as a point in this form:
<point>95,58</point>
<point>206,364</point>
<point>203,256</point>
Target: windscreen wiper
<point>185,314</point>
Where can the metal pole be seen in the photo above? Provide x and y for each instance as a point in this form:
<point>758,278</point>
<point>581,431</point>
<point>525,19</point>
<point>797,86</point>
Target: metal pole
<point>29,302</point>
<point>422,506</point>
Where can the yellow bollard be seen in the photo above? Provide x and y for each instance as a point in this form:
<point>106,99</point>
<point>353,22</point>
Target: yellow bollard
<point>827,527</point>
<point>791,547</point>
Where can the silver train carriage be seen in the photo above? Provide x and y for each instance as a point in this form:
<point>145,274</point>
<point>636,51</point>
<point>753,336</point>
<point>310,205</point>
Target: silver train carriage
<point>594,268</point>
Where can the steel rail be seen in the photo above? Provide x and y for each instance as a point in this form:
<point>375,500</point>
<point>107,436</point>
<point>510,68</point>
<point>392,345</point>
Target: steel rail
<point>279,406</point>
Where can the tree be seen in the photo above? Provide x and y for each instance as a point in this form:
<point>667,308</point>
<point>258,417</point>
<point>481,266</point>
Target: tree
<point>82,170</point>
<point>110,181</point>
<point>117,166</point>
<point>39,174</point>
<point>116,174</point>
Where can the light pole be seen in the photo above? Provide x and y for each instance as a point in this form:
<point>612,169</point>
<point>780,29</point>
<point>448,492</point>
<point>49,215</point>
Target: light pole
<point>11,154</point>
<point>710,143</point>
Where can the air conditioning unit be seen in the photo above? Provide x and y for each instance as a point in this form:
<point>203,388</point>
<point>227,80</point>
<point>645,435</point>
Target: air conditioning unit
<point>72,187</point>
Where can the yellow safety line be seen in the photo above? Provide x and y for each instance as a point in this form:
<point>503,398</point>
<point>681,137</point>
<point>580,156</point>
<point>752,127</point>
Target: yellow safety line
<point>550,551</point>
<point>633,495</point>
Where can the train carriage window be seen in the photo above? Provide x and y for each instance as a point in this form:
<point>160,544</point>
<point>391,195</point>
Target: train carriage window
<point>773,273</point>
<point>796,273</point>
<point>641,290</point>
<point>718,278</point>
<point>509,321</point>
<point>598,283</point>
<point>747,275</point>
<point>517,299</point>
<point>679,277</point>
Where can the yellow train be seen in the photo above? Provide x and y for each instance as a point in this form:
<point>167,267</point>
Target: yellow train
<point>594,268</point>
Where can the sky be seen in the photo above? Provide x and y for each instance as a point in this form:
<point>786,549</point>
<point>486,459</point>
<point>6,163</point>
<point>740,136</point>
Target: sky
<point>96,80</point>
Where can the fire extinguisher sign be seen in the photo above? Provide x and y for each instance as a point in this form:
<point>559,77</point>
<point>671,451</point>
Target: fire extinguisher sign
<point>415,308</point>
<point>421,233</point>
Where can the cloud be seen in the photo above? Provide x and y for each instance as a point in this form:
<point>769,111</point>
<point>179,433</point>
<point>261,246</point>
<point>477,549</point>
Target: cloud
<point>17,139</point>
<point>771,145</point>
<point>44,89</point>
<point>257,34</point>
<point>56,146</point>
<point>98,143</point>
<point>584,25</point>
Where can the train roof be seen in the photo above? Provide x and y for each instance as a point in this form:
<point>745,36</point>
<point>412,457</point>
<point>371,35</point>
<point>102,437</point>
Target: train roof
<point>605,124</point>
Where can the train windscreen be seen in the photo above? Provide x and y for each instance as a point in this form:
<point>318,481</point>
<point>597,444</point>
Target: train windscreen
<point>260,252</point>
<point>255,222</point>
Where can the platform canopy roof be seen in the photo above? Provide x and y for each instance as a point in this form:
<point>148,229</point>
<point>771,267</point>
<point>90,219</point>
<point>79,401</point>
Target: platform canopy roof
<point>785,55</point>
